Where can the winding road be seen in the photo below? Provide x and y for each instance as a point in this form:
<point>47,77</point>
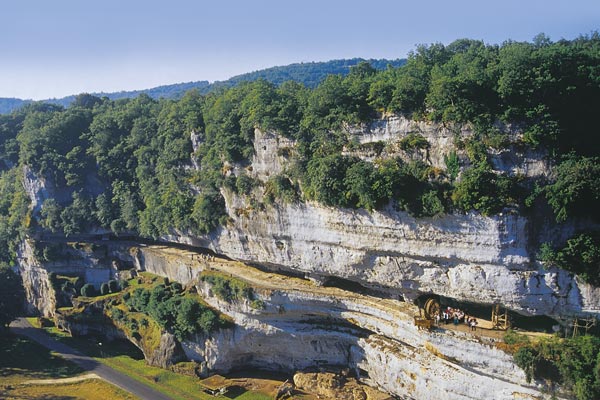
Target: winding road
<point>22,327</point>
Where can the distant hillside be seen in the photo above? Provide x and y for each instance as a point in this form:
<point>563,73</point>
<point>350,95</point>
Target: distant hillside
<point>310,74</point>
<point>8,104</point>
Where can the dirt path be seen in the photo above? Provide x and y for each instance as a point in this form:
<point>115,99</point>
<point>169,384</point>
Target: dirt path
<point>73,379</point>
<point>272,281</point>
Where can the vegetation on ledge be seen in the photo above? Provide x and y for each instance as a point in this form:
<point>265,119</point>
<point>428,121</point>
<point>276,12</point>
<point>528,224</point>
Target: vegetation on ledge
<point>573,362</point>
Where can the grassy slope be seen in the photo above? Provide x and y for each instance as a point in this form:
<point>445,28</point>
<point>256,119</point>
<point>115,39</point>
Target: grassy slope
<point>126,359</point>
<point>23,360</point>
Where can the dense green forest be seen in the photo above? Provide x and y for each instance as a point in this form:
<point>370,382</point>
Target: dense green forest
<point>308,74</point>
<point>126,163</point>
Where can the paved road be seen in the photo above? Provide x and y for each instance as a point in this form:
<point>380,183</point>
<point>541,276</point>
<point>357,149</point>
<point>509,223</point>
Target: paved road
<point>22,327</point>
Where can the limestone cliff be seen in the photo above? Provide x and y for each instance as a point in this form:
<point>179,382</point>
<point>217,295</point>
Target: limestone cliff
<point>465,257</point>
<point>392,256</point>
<point>39,293</point>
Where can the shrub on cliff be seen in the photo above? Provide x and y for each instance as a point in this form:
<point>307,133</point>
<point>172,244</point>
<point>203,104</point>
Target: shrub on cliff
<point>281,187</point>
<point>483,190</point>
<point>580,255</point>
<point>227,288</point>
<point>576,190</point>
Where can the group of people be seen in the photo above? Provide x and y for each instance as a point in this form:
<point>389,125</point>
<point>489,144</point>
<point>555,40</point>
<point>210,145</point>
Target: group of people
<point>202,256</point>
<point>456,316</point>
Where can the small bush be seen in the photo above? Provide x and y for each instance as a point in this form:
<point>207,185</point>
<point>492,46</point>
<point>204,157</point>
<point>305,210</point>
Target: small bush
<point>452,165</point>
<point>580,255</point>
<point>176,287</point>
<point>244,184</point>
<point>282,188</point>
<point>413,141</point>
<point>527,359</point>
<point>513,338</point>
<point>117,314</point>
<point>208,321</point>
<point>228,289</point>
<point>257,304</point>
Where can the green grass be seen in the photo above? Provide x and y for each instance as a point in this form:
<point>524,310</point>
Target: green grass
<point>253,396</point>
<point>175,385</point>
<point>20,355</point>
<point>125,358</point>
<point>22,360</point>
<point>34,321</point>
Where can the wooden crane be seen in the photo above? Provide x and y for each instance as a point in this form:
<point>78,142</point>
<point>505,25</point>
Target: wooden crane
<point>585,323</point>
<point>500,318</point>
<point>427,314</point>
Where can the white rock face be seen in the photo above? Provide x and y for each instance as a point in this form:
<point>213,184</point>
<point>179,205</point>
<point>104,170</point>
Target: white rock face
<point>417,373</point>
<point>465,257</point>
<point>441,138</point>
<point>270,150</point>
<point>36,188</point>
<point>39,294</point>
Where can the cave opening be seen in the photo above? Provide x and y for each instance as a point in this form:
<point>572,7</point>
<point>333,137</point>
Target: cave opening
<point>353,286</point>
<point>533,323</point>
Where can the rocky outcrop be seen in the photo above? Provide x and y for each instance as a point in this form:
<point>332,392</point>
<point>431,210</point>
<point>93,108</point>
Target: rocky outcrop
<point>469,258</point>
<point>300,325</point>
<point>40,298</point>
<point>169,352</point>
<point>272,151</point>
<point>336,386</point>
<point>443,139</point>
<point>465,257</point>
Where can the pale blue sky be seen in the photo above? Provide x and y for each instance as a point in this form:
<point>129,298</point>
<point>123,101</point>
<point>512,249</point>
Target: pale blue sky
<point>61,47</point>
